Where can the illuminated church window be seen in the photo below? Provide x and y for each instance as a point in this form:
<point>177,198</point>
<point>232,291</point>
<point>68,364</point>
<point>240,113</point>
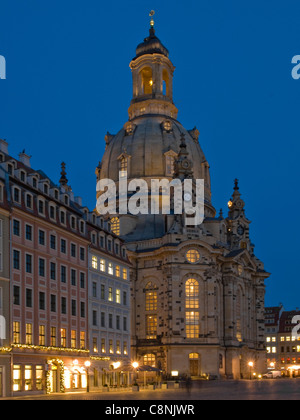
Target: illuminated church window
<point>193,256</point>
<point>115,225</point>
<point>151,297</point>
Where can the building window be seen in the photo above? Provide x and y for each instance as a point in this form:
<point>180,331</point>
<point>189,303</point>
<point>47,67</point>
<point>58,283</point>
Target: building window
<point>193,256</point>
<point>42,335</point>
<point>28,334</point>
<point>151,297</point>
<point>16,227</point>
<point>29,201</point>
<point>110,321</point>
<point>28,295</point>
<point>41,267</point>
<point>149,360</point>
<point>103,346</point>
<point>124,323</point>
<point>82,309</point>
<point>52,212</point>
<point>118,347</point>
<point>94,262</point>
<point>125,298</point>
<point>16,378</point>
<point>41,237</point>
<point>16,297</point>
<point>117,270</point>
<point>192,324</point>
<point>42,305</point>
<point>95,318</point>
<point>115,225</point>
<point>16,259</point>
<point>39,377</point>
<point>82,339</point>
<point>94,289</point>
<point>16,332</point>
<point>73,339</point>
<point>52,241</point>
<point>110,294</point>
<point>63,246</point>
<point>63,274</point>
<point>63,337</point>
<point>124,274</point>
<point>191,294</point>
<point>53,303</point>
<point>17,195</point>
<point>73,277</point>
<point>151,327</point>
<point>102,319</point>
<point>95,345</point>
<point>41,207</point>
<point>111,347</point>
<point>125,350</point>
<point>82,254</point>
<point>73,307</point>
<point>63,305</point>
<point>53,336</point>
<point>28,259</point>
<point>102,292</point>
<point>82,280</point>
<point>110,269</point>
<point>102,265</point>
<point>52,271</point>
<point>118,296</point>
<point>28,232</point>
<point>73,250</point>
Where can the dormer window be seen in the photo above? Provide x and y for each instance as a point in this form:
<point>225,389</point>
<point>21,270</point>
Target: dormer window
<point>46,189</point>
<point>22,176</point>
<point>10,169</point>
<point>66,200</point>
<point>34,182</point>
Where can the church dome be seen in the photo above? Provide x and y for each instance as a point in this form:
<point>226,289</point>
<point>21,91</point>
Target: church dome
<point>151,45</point>
<point>150,143</point>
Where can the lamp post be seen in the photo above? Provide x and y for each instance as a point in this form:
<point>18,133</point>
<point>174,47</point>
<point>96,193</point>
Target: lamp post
<point>87,364</point>
<point>135,365</point>
<point>250,364</point>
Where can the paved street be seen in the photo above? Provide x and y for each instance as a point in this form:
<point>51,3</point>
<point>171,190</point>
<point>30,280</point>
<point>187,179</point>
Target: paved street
<point>281,389</point>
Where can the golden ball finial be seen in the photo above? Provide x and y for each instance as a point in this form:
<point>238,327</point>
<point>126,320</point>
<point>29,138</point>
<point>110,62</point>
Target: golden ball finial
<point>151,14</point>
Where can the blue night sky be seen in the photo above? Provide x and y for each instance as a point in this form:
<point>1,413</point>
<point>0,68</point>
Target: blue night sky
<point>68,83</point>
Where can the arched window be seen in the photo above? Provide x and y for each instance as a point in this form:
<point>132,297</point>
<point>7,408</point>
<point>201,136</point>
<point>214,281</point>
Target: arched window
<point>149,360</point>
<point>147,81</point>
<point>191,294</point>
<point>115,225</point>
<point>151,297</point>
<point>192,317</point>
<point>166,83</point>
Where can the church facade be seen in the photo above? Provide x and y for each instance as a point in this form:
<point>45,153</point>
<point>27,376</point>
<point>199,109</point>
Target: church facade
<point>197,291</point>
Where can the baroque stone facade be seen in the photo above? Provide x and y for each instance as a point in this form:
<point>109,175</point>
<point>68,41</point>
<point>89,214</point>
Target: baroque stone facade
<point>197,291</point>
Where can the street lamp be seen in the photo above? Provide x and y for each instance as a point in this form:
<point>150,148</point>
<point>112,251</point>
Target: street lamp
<point>250,364</point>
<point>87,364</point>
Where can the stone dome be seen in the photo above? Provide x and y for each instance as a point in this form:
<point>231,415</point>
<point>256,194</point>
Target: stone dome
<point>146,141</point>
